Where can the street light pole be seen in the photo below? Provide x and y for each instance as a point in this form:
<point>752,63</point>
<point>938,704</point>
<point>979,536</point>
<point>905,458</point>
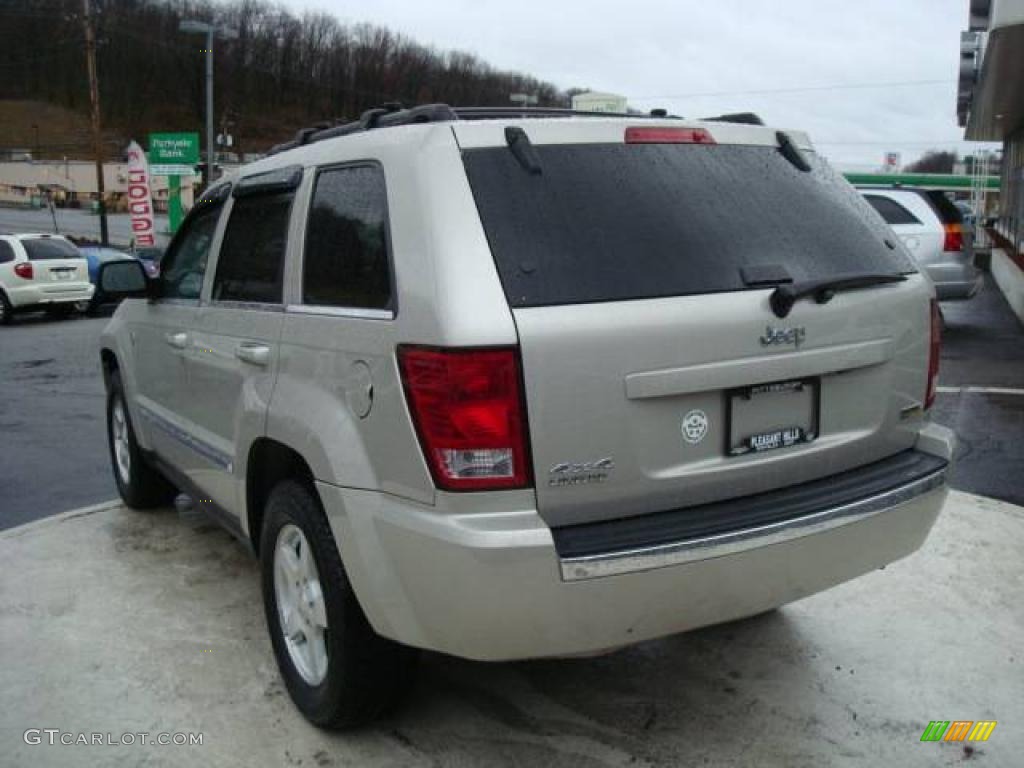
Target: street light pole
<point>201,27</point>
<point>211,150</point>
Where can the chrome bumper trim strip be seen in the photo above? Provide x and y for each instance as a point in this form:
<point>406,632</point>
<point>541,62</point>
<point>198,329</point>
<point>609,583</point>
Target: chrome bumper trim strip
<point>733,542</point>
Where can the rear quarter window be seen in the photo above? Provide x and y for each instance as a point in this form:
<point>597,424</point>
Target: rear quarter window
<point>891,211</point>
<point>609,222</point>
<point>346,257</point>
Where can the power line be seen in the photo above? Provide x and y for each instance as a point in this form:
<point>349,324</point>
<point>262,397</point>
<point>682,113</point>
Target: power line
<point>798,89</point>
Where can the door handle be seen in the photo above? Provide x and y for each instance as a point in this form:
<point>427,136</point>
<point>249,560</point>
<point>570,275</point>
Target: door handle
<point>257,354</point>
<point>177,340</point>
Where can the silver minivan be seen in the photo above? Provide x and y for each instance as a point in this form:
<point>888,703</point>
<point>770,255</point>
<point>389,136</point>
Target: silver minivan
<point>933,229</point>
<point>516,384</point>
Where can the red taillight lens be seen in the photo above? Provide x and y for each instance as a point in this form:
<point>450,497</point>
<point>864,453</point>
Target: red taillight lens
<point>954,239</point>
<point>933,356</point>
<point>643,135</point>
<point>24,269</point>
<point>467,406</point>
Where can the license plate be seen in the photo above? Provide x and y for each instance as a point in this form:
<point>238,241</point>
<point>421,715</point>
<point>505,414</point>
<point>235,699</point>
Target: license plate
<point>774,415</point>
<point>64,274</point>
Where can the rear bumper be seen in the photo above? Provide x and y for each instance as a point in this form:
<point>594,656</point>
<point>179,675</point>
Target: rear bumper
<point>492,586</point>
<point>955,281</point>
<point>22,297</point>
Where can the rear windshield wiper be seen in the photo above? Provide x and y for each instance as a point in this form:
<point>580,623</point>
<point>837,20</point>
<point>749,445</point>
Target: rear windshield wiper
<point>823,289</point>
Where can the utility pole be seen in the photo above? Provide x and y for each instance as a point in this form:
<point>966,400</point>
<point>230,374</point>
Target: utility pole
<point>94,100</point>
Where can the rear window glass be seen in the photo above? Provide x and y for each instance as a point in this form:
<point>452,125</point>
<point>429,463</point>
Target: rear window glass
<point>610,222</point>
<point>42,248</point>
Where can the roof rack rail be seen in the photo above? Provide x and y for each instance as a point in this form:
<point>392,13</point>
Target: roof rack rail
<point>491,113</point>
<point>743,118</point>
<point>393,114</point>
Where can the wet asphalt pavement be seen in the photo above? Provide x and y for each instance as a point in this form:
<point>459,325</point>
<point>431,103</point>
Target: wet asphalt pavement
<point>983,348</point>
<point>53,447</point>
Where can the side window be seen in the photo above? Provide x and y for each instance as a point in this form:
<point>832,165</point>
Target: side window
<point>6,252</point>
<point>346,258</point>
<point>184,265</point>
<point>891,211</point>
<point>251,263</point>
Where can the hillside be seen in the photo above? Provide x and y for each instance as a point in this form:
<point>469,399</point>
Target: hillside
<point>283,72</point>
<point>55,130</point>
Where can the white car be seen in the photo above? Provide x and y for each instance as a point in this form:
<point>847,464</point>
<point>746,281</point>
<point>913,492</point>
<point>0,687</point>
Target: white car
<point>933,230</point>
<point>41,272</point>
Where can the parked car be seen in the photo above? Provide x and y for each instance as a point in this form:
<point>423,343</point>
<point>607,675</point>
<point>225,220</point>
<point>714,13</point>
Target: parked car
<point>508,387</point>
<point>150,258</point>
<point>100,254</point>
<point>933,229</point>
<point>96,255</point>
<point>41,272</point>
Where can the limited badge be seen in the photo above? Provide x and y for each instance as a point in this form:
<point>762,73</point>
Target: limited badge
<point>695,426</point>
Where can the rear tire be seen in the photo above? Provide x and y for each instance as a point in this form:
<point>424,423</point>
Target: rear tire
<point>338,671</point>
<point>140,484</point>
<point>6,311</point>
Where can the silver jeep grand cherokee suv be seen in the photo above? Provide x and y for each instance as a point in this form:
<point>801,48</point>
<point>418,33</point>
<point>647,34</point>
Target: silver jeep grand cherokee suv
<point>521,384</point>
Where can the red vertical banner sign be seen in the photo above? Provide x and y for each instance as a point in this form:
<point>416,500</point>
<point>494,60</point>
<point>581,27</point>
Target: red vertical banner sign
<point>140,199</point>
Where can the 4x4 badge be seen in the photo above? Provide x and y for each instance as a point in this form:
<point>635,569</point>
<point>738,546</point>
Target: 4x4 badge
<point>580,472</point>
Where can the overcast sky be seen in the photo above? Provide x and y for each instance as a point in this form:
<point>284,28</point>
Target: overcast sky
<point>708,57</point>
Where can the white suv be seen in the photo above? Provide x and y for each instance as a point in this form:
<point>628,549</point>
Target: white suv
<point>41,272</point>
<point>511,385</point>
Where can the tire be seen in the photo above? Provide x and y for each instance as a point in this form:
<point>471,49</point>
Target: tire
<point>140,484</point>
<point>361,675</point>
<point>6,311</point>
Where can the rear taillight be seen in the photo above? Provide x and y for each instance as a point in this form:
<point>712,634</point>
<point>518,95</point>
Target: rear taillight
<point>24,269</point>
<point>933,355</point>
<point>646,135</point>
<point>467,406</point>
<point>954,238</point>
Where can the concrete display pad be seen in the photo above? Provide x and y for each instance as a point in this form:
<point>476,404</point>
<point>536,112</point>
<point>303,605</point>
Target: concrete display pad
<point>115,622</point>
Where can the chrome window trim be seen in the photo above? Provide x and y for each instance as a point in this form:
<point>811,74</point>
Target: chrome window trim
<point>256,305</point>
<point>730,543</point>
<point>176,301</point>
<point>332,311</point>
